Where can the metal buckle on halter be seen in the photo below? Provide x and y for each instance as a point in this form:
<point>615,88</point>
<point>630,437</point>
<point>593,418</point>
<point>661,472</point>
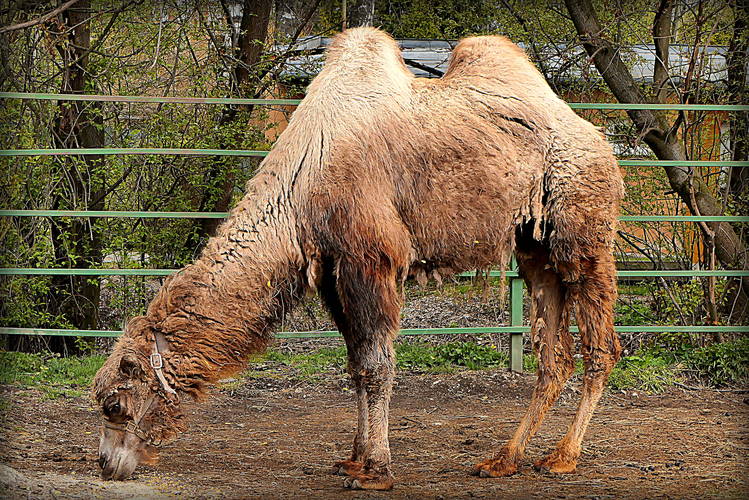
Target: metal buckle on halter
<point>131,427</point>
<point>157,362</point>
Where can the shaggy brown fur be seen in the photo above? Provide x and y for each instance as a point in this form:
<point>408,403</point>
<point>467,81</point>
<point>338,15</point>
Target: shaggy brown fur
<point>381,176</point>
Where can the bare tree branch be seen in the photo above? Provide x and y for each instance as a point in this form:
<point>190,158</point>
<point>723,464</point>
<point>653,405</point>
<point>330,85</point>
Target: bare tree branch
<point>532,44</point>
<point>39,20</point>
<point>289,52</point>
<point>423,67</point>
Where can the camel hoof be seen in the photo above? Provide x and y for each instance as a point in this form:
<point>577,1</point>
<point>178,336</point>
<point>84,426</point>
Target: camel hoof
<point>368,482</point>
<point>347,468</point>
<point>495,468</point>
<point>352,484</point>
<point>556,465</point>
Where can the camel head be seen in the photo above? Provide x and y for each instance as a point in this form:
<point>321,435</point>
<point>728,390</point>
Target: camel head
<point>139,409</point>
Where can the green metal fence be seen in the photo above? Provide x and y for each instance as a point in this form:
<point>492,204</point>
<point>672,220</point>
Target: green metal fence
<point>516,329</point>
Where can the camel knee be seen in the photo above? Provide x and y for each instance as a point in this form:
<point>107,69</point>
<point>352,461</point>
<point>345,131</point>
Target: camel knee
<point>564,367</point>
<point>373,375</point>
<point>600,344</point>
<point>555,361</point>
<point>567,368</point>
<point>615,350</point>
<point>603,364</point>
<point>602,350</point>
<point>553,376</point>
<point>600,362</point>
<point>379,379</point>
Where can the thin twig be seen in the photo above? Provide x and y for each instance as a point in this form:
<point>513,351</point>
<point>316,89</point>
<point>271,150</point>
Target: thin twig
<point>158,39</point>
<point>694,388</point>
<point>39,20</point>
<point>423,67</point>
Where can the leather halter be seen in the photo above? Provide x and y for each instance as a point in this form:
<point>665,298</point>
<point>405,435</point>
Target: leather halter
<point>133,425</point>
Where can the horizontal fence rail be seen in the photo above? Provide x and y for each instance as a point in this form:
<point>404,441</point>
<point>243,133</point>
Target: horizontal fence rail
<point>261,153</point>
<point>516,328</point>
<point>222,215</point>
<point>476,330</point>
<point>148,99</point>
<point>60,271</point>
<point>133,151</point>
<point>115,214</point>
<point>294,102</point>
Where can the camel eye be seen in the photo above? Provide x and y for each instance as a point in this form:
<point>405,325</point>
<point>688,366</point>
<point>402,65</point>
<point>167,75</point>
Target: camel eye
<point>113,409</point>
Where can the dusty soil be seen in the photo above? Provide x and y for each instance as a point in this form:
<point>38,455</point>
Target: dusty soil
<point>276,437</point>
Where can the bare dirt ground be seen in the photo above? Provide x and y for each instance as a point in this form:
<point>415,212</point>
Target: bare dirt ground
<point>275,437</point>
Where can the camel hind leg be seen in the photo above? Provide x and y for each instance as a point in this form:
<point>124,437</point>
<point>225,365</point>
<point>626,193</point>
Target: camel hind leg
<point>552,343</point>
<point>595,296</point>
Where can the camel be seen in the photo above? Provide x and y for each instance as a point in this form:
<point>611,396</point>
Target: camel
<point>380,177</point>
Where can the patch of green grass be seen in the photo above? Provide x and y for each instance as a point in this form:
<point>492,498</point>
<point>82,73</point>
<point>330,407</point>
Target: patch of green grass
<point>652,369</point>
<point>423,357</point>
<point>55,376</point>
<point>321,361</point>
<point>726,363</point>
<point>5,406</point>
<point>644,372</point>
<point>530,363</point>
<point>419,357</point>
<point>656,368</point>
<point>633,313</point>
<point>641,289</point>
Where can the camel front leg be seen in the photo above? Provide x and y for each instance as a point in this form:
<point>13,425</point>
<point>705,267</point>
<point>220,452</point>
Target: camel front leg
<point>354,464</point>
<point>367,307</point>
<point>330,294</point>
<point>374,371</point>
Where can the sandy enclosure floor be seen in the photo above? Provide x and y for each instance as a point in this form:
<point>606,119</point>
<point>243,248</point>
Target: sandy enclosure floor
<point>277,438</point>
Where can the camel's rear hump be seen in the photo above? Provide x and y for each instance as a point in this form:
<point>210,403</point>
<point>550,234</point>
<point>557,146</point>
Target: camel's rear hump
<point>497,58</point>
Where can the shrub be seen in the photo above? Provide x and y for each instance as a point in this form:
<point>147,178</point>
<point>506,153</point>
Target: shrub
<point>722,364</point>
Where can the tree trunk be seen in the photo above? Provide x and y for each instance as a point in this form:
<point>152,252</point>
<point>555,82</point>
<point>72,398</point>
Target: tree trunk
<point>5,74</point>
<point>737,92</point>
<point>362,14</point>
<point>253,32</point>
<point>662,39</point>
<point>249,51</point>
<point>738,179</point>
<point>76,243</point>
<point>655,132</point>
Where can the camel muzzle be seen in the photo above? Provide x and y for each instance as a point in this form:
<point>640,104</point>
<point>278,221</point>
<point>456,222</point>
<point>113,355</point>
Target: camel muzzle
<point>118,466</point>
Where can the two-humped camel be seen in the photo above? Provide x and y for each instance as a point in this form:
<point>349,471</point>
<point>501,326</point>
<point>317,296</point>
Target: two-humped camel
<point>381,176</point>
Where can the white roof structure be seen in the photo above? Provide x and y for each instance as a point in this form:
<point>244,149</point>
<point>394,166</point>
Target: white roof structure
<point>429,59</point>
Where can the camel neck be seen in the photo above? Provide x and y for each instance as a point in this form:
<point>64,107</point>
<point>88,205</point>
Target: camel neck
<point>222,308</point>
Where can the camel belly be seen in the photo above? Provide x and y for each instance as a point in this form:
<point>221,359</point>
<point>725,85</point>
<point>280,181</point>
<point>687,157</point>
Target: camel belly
<point>463,222</point>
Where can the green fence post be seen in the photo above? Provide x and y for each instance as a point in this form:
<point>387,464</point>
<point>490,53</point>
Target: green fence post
<point>516,319</point>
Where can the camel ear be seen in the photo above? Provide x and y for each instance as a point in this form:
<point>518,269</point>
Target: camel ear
<point>129,366</point>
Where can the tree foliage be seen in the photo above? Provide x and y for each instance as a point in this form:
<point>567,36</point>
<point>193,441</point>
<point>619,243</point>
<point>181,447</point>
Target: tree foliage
<point>240,48</point>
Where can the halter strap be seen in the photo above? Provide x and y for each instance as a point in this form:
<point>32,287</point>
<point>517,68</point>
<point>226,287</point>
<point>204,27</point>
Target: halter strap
<point>157,363</point>
<point>133,426</point>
